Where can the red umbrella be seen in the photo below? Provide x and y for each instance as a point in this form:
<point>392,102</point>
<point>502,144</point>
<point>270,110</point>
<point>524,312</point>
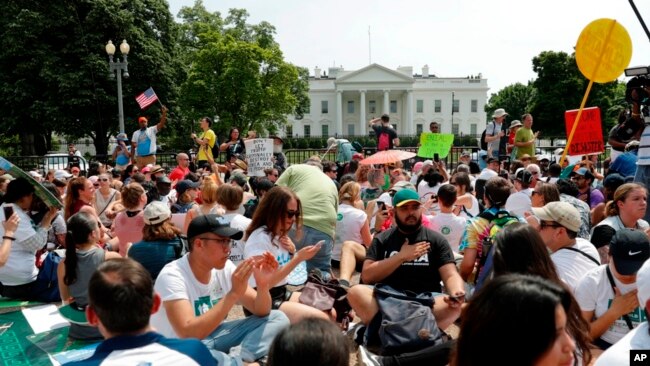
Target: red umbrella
<point>387,156</point>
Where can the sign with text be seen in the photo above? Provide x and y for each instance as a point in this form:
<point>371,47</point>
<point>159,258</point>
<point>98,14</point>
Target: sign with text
<point>432,143</point>
<point>588,139</point>
<point>259,154</point>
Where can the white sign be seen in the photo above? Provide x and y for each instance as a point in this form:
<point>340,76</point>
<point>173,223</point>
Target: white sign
<point>259,153</point>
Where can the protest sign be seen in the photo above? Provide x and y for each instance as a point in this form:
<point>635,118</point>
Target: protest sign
<point>259,154</point>
<point>587,139</point>
<point>431,143</point>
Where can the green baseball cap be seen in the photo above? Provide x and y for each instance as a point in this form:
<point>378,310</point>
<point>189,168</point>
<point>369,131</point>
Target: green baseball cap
<point>405,196</point>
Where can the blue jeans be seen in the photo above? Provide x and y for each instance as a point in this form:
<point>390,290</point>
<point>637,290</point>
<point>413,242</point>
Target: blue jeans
<point>643,176</point>
<point>323,259</point>
<point>253,333</point>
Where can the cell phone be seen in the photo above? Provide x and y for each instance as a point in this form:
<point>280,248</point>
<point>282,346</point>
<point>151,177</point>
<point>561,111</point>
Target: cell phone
<point>436,157</point>
<point>9,210</point>
<point>457,298</point>
<point>381,205</point>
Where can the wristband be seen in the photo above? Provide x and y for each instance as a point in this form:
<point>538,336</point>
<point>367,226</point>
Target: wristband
<point>8,237</point>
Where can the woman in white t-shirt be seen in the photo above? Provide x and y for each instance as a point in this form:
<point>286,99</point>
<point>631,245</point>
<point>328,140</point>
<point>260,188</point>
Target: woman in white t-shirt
<point>278,211</point>
<point>352,232</point>
<point>612,309</point>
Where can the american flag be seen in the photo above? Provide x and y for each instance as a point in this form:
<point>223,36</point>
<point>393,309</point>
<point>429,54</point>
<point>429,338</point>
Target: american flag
<point>146,98</point>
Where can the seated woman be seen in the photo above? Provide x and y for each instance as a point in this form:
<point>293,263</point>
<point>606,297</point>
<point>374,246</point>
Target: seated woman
<point>466,203</point>
<point>82,257</point>
<point>501,311</point>
<point>273,219</point>
<point>128,224</point>
<point>161,242</point>
<point>352,233</point>
<point>229,197</point>
<point>18,270</point>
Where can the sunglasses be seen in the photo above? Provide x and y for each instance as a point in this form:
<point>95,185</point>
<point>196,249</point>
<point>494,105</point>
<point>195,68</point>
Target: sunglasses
<point>545,224</point>
<point>103,179</point>
<point>293,213</point>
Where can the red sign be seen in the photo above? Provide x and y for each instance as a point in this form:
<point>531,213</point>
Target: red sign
<point>588,137</point>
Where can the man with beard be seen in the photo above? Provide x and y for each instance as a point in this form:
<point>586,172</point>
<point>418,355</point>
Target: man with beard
<point>410,257</point>
<point>279,159</point>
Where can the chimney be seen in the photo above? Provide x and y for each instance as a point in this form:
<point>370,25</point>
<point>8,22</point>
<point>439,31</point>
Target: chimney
<point>425,71</point>
<point>316,73</point>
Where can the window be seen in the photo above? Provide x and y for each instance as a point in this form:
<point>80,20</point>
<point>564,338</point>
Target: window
<point>289,131</point>
<point>437,106</point>
<point>393,106</point>
<point>307,131</point>
<point>456,106</point>
<point>454,128</point>
<point>350,106</point>
<point>350,130</point>
<point>419,106</point>
<point>472,129</point>
<point>324,107</point>
<point>474,105</point>
<point>418,128</point>
<point>325,130</point>
<point>372,107</point>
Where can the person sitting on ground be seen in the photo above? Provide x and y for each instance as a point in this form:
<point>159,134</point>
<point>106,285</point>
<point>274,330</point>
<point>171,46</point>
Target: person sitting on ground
<point>409,257</point>
<point>465,200</point>
<point>447,222</point>
<point>501,310</point>
<point>610,184</point>
<point>18,269</point>
<point>568,193</point>
<point>544,193</point>
<point>519,203</point>
<point>639,337</point>
<point>209,204</point>
<point>186,192</point>
<point>229,197</point>
<point>121,300</point>
<point>104,196</point>
<point>82,257</point>
<point>161,242</point>
<point>199,290</point>
<point>584,180</point>
<point>311,341</point>
<point>558,226</point>
<point>262,185</point>
<point>268,232</point>
<point>352,233</point>
<point>129,223</point>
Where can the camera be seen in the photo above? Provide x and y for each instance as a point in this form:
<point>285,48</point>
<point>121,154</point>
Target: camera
<point>639,85</point>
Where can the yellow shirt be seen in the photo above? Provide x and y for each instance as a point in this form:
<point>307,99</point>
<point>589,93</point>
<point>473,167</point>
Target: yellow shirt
<point>205,151</point>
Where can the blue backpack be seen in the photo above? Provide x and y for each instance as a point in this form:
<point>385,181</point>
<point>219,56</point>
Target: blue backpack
<point>46,288</point>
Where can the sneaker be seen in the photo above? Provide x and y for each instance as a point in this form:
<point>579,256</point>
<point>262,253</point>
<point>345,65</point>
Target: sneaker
<point>355,334</point>
<point>366,358</point>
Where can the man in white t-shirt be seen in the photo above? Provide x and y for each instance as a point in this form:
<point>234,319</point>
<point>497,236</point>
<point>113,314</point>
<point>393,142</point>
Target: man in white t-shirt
<point>519,203</point>
<point>446,222</point>
<point>639,337</point>
<point>199,289</point>
<point>572,256</point>
<point>143,142</point>
<point>495,134</point>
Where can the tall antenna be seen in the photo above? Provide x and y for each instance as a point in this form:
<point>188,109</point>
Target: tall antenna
<point>369,48</point>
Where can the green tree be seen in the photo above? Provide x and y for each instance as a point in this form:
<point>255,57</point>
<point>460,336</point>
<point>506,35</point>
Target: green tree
<point>238,72</point>
<point>55,71</point>
<point>515,99</point>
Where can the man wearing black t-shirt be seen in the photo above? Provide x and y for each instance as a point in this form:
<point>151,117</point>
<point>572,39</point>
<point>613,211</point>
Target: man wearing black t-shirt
<point>409,257</point>
<point>385,133</point>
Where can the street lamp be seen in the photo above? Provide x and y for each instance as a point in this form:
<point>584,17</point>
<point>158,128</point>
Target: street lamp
<point>119,68</point>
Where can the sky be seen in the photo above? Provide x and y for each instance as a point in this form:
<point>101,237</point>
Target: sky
<point>497,38</point>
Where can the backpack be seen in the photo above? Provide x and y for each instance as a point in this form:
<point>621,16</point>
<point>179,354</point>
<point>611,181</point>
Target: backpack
<point>483,143</point>
<point>497,221</point>
<point>383,142</point>
<point>46,288</point>
<point>215,148</point>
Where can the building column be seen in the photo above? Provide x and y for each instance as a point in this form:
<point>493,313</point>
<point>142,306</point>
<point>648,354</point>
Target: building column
<point>409,113</point>
<point>339,112</point>
<point>386,107</point>
<point>362,113</point>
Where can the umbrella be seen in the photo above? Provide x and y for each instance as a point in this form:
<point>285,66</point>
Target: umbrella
<point>387,156</point>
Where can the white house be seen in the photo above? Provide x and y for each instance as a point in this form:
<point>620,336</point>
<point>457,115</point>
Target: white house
<point>342,102</point>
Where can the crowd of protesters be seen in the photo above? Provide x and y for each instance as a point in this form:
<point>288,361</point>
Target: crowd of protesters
<point>520,247</point>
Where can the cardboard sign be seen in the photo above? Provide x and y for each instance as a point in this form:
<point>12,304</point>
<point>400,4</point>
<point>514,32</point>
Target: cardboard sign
<point>259,155</point>
<point>588,139</point>
<point>431,143</point>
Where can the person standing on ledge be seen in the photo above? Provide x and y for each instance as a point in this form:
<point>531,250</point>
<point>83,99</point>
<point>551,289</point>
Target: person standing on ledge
<point>143,141</point>
<point>206,142</point>
<point>386,134</point>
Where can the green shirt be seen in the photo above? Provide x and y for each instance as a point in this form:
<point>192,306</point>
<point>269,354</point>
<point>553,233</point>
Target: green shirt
<point>524,135</point>
<point>317,193</point>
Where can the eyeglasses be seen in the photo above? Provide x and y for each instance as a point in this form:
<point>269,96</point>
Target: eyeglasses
<point>292,213</point>
<point>545,224</point>
<point>224,242</point>
<point>103,179</point>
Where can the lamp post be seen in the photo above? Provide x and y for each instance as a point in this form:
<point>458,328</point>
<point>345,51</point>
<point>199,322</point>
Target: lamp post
<point>119,67</point>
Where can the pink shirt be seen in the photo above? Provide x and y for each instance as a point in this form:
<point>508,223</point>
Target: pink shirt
<point>128,229</point>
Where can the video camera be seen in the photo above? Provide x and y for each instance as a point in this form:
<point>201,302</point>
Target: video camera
<point>635,93</point>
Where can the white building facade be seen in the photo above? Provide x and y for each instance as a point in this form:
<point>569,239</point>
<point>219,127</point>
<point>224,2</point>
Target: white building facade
<point>342,102</point>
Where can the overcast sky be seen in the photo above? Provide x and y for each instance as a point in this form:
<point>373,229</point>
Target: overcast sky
<point>497,38</point>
